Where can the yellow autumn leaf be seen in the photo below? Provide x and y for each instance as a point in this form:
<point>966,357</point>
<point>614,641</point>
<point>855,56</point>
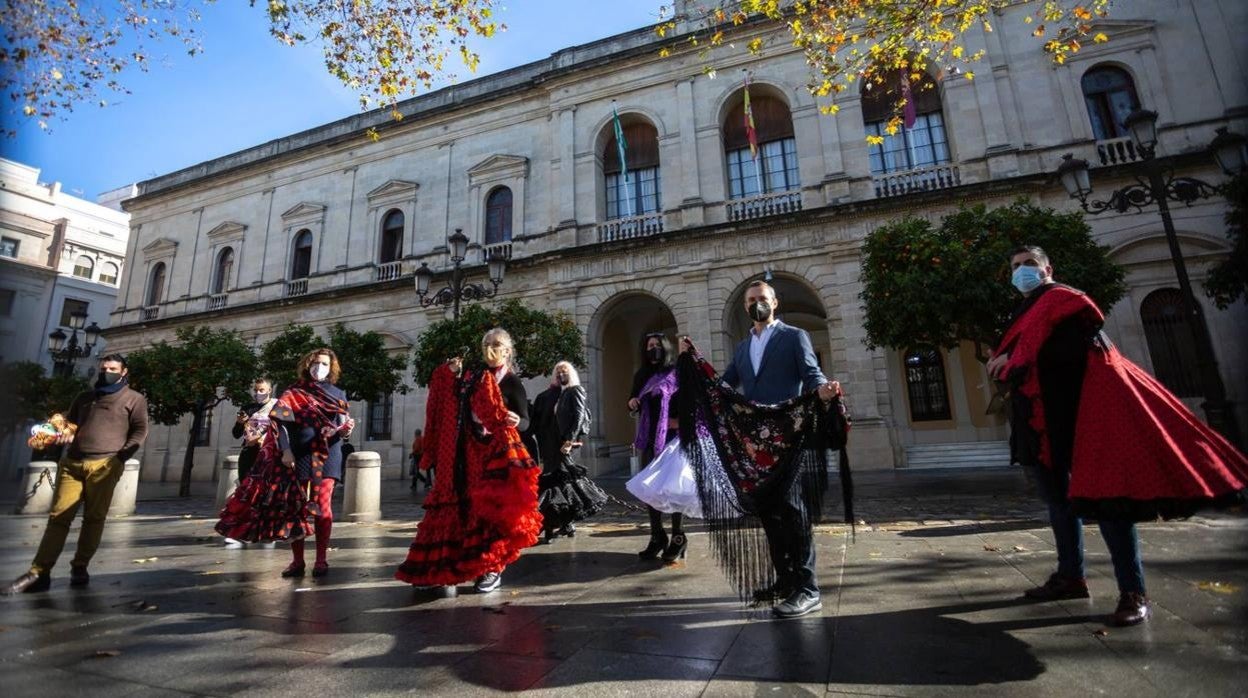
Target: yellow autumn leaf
<point>875,140</point>
<point>957,51</point>
<point>1100,38</point>
<point>970,75</point>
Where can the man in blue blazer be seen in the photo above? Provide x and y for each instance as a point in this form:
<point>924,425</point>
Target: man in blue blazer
<point>777,363</point>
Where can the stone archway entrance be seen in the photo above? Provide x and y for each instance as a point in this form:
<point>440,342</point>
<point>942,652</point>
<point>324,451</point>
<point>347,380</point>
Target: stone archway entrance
<point>615,335</point>
<point>800,306</point>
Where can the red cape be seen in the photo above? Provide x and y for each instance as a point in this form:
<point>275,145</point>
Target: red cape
<point>1139,451</point>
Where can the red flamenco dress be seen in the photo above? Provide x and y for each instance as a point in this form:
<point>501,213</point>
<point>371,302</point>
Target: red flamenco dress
<point>482,511</point>
<point>1139,452</point>
<point>275,502</point>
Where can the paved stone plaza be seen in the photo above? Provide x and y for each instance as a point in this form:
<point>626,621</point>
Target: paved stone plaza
<point>924,602</point>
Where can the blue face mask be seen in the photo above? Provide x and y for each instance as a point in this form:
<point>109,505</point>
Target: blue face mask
<point>1027,279</point>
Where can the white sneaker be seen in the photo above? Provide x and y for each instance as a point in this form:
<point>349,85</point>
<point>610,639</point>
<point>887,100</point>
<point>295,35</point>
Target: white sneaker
<point>489,582</point>
<point>232,544</point>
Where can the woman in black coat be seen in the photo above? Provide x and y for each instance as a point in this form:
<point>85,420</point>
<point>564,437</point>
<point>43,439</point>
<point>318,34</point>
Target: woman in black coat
<point>560,422</point>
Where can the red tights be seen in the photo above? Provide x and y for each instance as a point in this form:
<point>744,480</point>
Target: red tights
<point>323,525</point>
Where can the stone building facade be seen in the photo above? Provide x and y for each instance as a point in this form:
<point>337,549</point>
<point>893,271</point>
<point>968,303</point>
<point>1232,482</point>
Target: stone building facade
<point>60,255</point>
<point>326,226</point>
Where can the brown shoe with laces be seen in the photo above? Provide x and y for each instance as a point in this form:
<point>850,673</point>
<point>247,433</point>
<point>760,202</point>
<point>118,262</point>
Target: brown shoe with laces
<point>1059,588</point>
<point>1133,609</point>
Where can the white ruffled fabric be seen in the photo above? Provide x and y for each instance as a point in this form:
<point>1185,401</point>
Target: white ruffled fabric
<point>667,483</point>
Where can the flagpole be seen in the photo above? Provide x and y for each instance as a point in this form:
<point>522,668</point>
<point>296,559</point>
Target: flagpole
<point>620,148</point>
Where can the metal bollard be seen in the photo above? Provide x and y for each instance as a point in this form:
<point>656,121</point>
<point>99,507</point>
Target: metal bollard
<point>127,490</point>
<point>362,499</point>
<point>38,486</point>
<point>228,480</point>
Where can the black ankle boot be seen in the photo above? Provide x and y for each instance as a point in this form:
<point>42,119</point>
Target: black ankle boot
<point>658,541</point>
<point>677,548</point>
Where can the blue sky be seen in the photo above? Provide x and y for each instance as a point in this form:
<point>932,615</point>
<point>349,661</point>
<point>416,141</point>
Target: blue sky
<point>247,89</point>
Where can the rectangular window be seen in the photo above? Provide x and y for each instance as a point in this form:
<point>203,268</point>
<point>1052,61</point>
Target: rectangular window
<point>8,247</point>
<point>775,169</point>
<point>6,301</point>
<point>637,194</point>
<point>72,307</point>
<point>203,437</point>
<point>380,416</point>
<point>921,145</point>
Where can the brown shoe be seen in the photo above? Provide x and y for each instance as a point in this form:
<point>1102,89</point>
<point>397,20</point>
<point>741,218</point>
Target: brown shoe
<point>78,576</point>
<point>1058,588</point>
<point>28,583</point>
<point>1133,609</point>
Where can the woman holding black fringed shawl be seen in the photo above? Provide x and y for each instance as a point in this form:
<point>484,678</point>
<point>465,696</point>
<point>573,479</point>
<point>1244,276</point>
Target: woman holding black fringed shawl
<point>748,458</point>
<point>297,468</point>
<point>654,387</point>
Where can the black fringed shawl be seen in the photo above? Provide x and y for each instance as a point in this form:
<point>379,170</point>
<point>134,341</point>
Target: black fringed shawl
<point>747,458</point>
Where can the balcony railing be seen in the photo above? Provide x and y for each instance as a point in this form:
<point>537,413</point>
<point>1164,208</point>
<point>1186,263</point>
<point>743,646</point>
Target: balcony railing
<point>151,312</point>
<point>917,180</point>
<point>217,301</point>
<point>298,287</point>
<point>631,227</point>
<point>389,271</point>
<point>503,249</point>
<point>1117,151</point>
<point>763,206</point>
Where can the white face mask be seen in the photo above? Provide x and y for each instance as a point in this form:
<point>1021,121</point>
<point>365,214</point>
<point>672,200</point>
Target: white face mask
<point>319,372</point>
<point>260,396</point>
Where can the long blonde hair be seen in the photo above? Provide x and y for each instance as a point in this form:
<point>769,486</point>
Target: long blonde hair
<point>492,345</point>
<point>574,378</point>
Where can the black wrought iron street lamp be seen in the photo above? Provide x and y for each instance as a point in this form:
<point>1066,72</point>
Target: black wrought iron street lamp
<point>65,349</point>
<point>1159,186</point>
<point>459,289</point>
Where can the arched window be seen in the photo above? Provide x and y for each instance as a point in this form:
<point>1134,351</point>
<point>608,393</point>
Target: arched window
<point>1168,332</point>
<point>1109,94</point>
<point>921,144</point>
<point>84,267</point>
<point>391,237</point>
<point>223,270</point>
<point>301,257</point>
<point>632,188</point>
<point>109,273</point>
<point>775,168</point>
<point>156,284</point>
<point>925,385</point>
<point>498,216</point>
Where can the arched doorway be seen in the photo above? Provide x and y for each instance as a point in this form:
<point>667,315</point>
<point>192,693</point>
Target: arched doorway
<point>800,306</point>
<point>616,332</point>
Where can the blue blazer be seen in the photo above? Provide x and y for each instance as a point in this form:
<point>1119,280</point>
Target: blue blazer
<point>788,367</point>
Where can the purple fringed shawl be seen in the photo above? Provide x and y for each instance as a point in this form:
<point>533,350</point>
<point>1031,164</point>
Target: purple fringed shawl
<point>662,383</point>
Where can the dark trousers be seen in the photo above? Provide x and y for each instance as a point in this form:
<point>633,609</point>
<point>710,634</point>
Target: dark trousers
<point>791,542</point>
<point>1120,537</point>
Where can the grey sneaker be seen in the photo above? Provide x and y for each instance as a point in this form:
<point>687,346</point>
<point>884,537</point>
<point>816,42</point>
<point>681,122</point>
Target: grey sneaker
<point>798,604</point>
<point>489,582</point>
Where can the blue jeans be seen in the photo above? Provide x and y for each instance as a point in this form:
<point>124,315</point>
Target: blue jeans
<point>1120,537</point>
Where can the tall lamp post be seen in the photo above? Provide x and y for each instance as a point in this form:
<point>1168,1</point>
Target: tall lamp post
<point>65,353</point>
<point>1160,187</point>
<point>459,289</point>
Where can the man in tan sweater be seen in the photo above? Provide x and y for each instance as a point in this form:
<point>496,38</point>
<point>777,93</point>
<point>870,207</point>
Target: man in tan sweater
<point>112,425</point>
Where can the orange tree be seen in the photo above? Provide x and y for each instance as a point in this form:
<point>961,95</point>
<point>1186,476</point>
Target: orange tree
<point>1228,281</point>
<point>936,286</point>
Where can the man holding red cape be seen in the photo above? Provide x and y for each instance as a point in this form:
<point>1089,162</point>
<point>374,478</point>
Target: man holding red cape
<point>1107,440</point>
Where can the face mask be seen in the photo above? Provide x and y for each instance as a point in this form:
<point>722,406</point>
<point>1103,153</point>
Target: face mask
<point>760,311</point>
<point>260,396</point>
<point>1027,279</point>
<point>563,378</point>
<point>319,372</point>
<point>495,356</point>
<point>655,354</point>
<point>109,377</point>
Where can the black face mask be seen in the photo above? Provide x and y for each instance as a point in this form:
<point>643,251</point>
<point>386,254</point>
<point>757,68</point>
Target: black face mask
<point>109,378</point>
<point>656,355</point>
<point>759,311</point>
